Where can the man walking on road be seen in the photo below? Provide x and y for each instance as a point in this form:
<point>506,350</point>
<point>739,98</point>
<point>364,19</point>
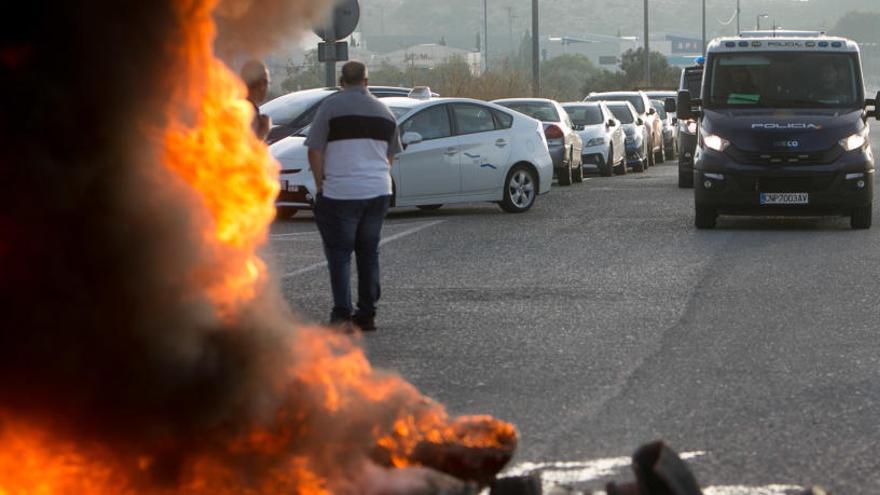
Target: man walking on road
<point>352,144</point>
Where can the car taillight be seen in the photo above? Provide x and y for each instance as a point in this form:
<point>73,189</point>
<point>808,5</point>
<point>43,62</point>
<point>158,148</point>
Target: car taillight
<point>553,132</point>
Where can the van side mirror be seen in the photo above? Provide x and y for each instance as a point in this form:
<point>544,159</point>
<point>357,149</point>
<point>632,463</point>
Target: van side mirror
<point>669,105</point>
<point>411,138</point>
<point>873,103</point>
<point>685,106</point>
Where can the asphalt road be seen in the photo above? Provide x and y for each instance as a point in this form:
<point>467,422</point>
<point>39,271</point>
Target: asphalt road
<point>602,319</point>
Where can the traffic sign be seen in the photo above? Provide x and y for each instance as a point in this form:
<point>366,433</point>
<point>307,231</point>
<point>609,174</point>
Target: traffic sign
<point>344,21</point>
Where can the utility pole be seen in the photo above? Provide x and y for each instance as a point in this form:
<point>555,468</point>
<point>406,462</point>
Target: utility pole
<point>647,49</point>
<point>704,28</point>
<point>510,17</point>
<point>485,36</point>
<point>536,52</point>
<point>737,18</point>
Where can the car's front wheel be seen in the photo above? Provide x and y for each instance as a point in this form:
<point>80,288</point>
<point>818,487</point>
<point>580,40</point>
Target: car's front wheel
<point>520,189</point>
<point>861,217</point>
<point>608,169</point>
<point>704,217</point>
<point>660,155</point>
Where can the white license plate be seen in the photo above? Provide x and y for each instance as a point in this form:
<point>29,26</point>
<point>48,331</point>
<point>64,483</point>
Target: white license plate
<point>785,198</point>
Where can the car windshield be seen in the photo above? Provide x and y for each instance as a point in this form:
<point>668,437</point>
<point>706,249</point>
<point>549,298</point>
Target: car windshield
<point>543,111</point>
<point>635,99</point>
<point>584,114</point>
<point>661,110</point>
<point>783,80</point>
<point>622,113</point>
<point>286,109</point>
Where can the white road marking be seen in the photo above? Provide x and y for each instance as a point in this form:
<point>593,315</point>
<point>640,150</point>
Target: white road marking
<point>384,241</point>
<point>570,473</point>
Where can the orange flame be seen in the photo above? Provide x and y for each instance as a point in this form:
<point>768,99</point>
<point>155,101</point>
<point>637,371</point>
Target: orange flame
<point>209,145</point>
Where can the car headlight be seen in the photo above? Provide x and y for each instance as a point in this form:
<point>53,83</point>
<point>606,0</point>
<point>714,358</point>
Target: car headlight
<point>716,143</point>
<point>689,126</point>
<point>596,141</point>
<point>855,141</point>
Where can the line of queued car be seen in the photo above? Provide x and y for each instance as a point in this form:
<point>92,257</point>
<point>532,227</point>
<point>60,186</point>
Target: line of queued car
<point>459,150</point>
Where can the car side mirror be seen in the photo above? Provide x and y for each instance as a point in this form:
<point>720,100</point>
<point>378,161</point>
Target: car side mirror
<point>674,120</point>
<point>669,105</point>
<point>611,123</point>
<point>411,138</point>
<point>651,111</point>
<point>639,121</point>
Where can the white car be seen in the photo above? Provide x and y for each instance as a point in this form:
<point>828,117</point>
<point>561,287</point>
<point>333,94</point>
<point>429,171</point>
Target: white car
<point>456,150</point>
<point>604,147</point>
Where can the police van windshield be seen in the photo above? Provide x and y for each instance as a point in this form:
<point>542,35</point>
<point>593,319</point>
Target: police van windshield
<point>783,80</point>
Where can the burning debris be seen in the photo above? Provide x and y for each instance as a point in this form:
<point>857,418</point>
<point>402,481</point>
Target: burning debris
<point>145,348</point>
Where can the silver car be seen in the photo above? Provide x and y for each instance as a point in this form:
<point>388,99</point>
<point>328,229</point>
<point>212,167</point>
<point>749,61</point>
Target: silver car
<point>669,124</point>
<point>637,151</point>
<point>602,137</point>
<point>562,140</point>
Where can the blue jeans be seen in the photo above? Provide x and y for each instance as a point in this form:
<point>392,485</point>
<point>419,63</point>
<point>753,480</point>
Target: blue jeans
<point>348,225</point>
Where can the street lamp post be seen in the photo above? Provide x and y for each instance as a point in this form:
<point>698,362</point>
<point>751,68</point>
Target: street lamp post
<point>758,20</point>
<point>485,36</point>
<point>737,18</point>
<point>647,49</point>
<point>536,49</point>
<point>703,50</point>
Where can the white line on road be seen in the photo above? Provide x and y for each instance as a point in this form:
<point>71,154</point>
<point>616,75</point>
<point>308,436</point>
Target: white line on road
<point>384,241</point>
<point>569,473</point>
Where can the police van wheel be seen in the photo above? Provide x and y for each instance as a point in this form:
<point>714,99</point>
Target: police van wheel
<point>685,180</point>
<point>704,218</point>
<point>861,217</point>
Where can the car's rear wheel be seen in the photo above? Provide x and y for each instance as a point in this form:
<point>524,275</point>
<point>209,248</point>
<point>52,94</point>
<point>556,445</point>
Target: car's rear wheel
<point>861,217</point>
<point>520,190</point>
<point>608,169</point>
<point>704,217</point>
<point>649,155</point>
<point>563,175</point>
<point>429,207</point>
<point>285,212</point>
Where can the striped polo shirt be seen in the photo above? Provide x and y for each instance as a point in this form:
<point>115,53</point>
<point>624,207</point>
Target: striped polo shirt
<point>357,132</point>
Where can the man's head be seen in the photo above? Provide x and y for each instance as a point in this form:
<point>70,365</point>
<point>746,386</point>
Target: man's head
<point>353,74</point>
<point>256,77</point>
<point>828,76</point>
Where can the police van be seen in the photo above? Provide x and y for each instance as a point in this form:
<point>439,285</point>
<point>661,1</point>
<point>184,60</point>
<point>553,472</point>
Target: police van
<point>782,123</point>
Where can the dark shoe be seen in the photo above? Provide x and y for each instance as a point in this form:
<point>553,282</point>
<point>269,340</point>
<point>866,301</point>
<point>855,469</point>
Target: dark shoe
<point>365,323</point>
<point>341,321</point>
